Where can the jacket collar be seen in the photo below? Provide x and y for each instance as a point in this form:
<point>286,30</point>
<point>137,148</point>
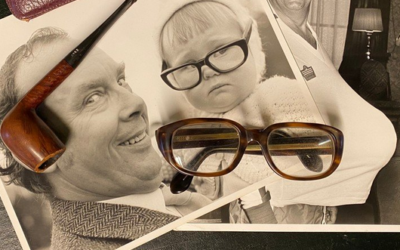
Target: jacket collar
<point>91,219</point>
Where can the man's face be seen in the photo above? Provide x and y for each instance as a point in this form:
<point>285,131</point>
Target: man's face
<point>293,5</point>
<point>108,149</point>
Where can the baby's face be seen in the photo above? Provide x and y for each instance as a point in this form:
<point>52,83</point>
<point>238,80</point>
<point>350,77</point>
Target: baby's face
<point>217,92</point>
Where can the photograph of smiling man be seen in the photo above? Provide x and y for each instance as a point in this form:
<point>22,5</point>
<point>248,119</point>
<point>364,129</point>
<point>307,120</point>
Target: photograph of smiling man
<point>111,186</point>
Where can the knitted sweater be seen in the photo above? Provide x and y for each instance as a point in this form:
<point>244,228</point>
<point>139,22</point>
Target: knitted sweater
<point>277,99</point>
<point>91,225</point>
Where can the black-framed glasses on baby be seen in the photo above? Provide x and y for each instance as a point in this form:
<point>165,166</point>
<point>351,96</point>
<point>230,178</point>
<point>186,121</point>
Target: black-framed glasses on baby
<point>210,147</point>
<point>222,60</point>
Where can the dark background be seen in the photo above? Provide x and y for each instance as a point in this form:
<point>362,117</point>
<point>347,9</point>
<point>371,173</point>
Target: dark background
<point>356,42</point>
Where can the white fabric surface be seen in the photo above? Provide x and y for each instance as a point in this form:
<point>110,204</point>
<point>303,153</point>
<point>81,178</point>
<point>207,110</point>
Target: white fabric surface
<point>274,100</point>
<point>369,137</point>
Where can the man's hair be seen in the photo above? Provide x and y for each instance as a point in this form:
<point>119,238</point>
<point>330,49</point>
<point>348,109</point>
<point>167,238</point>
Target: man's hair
<point>196,17</point>
<point>16,173</point>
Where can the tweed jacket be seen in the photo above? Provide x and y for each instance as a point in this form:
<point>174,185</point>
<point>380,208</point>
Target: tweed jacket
<point>91,225</point>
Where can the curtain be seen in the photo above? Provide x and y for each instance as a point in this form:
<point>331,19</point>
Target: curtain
<point>394,60</point>
<point>329,19</point>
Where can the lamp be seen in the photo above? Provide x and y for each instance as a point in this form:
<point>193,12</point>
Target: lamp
<point>368,20</point>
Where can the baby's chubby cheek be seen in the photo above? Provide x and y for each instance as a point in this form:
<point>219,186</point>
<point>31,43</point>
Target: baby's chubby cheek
<point>196,99</point>
<point>222,102</point>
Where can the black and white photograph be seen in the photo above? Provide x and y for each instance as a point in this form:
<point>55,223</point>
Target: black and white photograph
<point>124,120</point>
<point>363,190</point>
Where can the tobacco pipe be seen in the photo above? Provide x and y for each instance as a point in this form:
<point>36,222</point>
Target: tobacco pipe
<point>32,143</point>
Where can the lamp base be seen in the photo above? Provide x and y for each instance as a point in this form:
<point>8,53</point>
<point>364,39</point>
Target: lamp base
<point>368,53</point>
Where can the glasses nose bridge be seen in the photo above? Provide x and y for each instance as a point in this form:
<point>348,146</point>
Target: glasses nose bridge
<point>201,63</point>
<point>254,135</point>
<point>207,72</point>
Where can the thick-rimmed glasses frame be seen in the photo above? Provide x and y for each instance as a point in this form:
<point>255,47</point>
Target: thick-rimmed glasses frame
<point>164,136</point>
<point>242,43</point>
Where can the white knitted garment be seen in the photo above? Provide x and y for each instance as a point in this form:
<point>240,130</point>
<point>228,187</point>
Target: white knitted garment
<point>277,99</point>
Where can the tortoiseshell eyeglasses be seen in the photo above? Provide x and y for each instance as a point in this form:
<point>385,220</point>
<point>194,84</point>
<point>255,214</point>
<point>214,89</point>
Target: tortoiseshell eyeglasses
<point>293,150</point>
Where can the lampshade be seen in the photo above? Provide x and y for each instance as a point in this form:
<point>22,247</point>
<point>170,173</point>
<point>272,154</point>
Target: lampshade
<point>367,20</point>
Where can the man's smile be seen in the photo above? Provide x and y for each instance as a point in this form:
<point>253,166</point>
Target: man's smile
<point>135,139</point>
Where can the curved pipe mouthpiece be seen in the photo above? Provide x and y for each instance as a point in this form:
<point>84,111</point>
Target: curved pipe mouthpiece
<point>180,183</point>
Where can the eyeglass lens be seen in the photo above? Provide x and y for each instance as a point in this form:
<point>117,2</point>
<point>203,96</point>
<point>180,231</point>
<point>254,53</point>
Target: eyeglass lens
<point>301,152</point>
<point>223,60</point>
<point>205,147</point>
<point>212,147</point>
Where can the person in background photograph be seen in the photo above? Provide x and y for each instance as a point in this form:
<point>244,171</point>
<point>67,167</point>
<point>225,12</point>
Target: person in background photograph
<point>105,190</point>
<point>370,139</point>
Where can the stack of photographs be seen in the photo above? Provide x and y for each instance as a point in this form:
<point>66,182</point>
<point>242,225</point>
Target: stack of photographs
<point>167,61</point>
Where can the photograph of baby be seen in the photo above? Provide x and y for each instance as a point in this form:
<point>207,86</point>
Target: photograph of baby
<point>349,195</point>
<point>262,87</point>
<point>173,114</point>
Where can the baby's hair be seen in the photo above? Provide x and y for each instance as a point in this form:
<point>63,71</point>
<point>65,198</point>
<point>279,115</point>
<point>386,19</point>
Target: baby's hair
<point>193,19</point>
<point>196,17</point>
